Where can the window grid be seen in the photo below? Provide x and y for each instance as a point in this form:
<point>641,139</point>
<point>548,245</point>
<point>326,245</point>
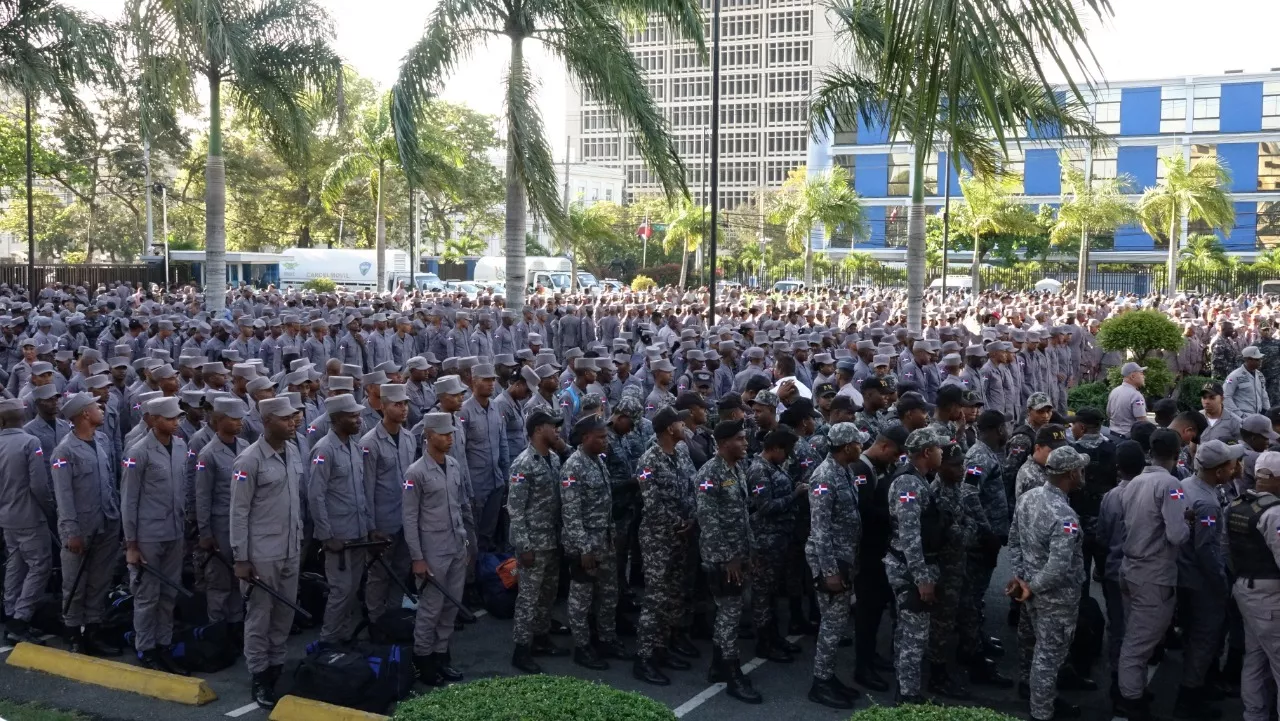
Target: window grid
<point>651,61</point>
<point>740,115</point>
<point>739,144</point>
<point>788,82</point>
<point>790,22</point>
<point>740,172</point>
<point>687,60</point>
<point>690,88</point>
<point>690,116</point>
<point>779,112</point>
<point>1173,115</point>
<point>1271,105</point>
<point>650,35</point>
<point>787,141</point>
<point>900,174</point>
<point>788,52</point>
<point>603,148</point>
<point>776,171</point>
<point>599,121</point>
<point>740,56</point>
<point>1269,224</point>
<point>738,86</point>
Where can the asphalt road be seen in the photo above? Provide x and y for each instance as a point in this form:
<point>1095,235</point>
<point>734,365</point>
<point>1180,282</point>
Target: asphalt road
<point>483,650</point>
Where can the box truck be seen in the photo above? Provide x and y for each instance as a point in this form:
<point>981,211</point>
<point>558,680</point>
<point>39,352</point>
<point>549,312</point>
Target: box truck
<point>547,271</point>
<point>350,268</point>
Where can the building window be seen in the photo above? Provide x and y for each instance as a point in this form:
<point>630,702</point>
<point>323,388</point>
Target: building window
<point>740,114</point>
<point>690,88</point>
<point>1268,166</point>
<point>787,111</point>
<point>1269,224</point>
<point>1163,152</point>
<point>687,59</point>
<point>789,82</point>
<point>690,116</point>
<point>656,87</point>
<point>790,22</point>
<point>655,33</point>
<point>739,144</point>
<point>651,61</point>
<point>1014,166</point>
<point>1204,118</point>
<point>740,56</point>
<point>742,172</point>
<point>1271,105</point>
<point>846,132</point>
<point>608,194</point>
<point>788,141</point>
<point>599,120</point>
<point>900,174</point>
<point>731,199</point>
<point>1201,152</point>
<point>895,226</point>
<point>789,52</point>
<point>1104,164</point>
<point>743,85</point>
<point>930,175</point>
<point>1173,110</point>
<point>776,171</point>
<point>734,28</point>
<point>1106,111</point>
<point>849,163</point>
<point>604,148</point>
<point>689,146</point>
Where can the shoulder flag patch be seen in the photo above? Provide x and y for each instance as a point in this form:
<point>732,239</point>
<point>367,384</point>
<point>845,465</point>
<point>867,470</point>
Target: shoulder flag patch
<point>568,482</point>
<point>1070,528</point>
<point>59,462</point>
<point>240,476</point>
<point>408,484</point>
<point>908,497</point>
<point>1177,494</point>
<point>517,478</point>
<point>973,471</point>
<point>1209,521</point>
<point>859,480</point>
<point>317,461</point>
<point>129,462</point>
<point>758,489</point>
<point>38,451</point>
<point>706,485</point>
<point>821,489</point>
<point>200,466</point>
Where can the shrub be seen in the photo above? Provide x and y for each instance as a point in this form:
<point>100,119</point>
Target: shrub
<point>643,282</point>
<point>1089,395</point>
<point>929,713</point>
<point>532,697</point>
<point>1140,332</point>
<point>1189,392</point>
<point>320,285</point>
<point>1159,378</point>
<point>666,274</point>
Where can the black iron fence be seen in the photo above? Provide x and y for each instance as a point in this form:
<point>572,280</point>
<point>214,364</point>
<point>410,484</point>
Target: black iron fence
<point>91,276</point>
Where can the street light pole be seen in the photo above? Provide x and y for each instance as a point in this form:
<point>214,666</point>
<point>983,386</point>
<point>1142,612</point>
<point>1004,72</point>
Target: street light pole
<point>946,221</point>
<point>31,209</point>
<point>715,154</point>
<point>164,228</point>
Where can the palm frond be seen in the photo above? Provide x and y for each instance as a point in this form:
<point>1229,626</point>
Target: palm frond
<point>50,51</point>
<point>341,174</point>
<point>527,150</point>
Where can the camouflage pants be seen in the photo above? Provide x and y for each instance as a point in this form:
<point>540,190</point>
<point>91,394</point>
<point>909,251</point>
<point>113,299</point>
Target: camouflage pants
<point>942,617</point>
<point>536,594</point>
<point>971,617</point>
<point>728,615</point>
<point>835,608</point>
<point>1045,630</point>
<point>910,639</point>
<point>666,561</point>
<point>768,568</point>
<point>599,595</point>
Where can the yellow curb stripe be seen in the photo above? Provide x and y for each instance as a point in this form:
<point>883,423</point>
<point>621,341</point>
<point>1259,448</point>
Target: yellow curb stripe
<point>295,708</point>
<point>112,674</point>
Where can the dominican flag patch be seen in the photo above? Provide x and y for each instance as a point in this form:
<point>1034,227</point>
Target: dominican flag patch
<point>568,482</point>
<point>129,462</point>
<point>517,478</point>
<point>240,476</point>
<point>806,462</point>
<point>759,488</point>
<point>973,471</point>
<point>1209,521</point>
<point>820,489</point>
<point>317,461</point>
<point>859,480</point>
<point>191,453</point>
<point>311,429</point>
<point>1071,528</point>
<point>1177,494</point>
<point>646,474</point>
<point>706,485</point>
<point>59,462</point>
<point>908,497</point>
<point>364,451</point>
<point>38,451</point>
<point>408,484</point>
<point>200,466</point>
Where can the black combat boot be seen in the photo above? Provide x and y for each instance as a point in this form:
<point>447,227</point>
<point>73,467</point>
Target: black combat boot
<point>151,660</point>
<point>263,691</point>
<point>901,699</point>
<point>1191,704</point>
<point>428,669</point>
<point>867,677</point>
<point>781,642</point>
<point>644,669</point>
<point>19,631</point>
<point>544,646</point>
<point>522,659</point>
<point>716,673</point>
<point>942,683</point>
<point>768,650</point>
<point>1069,679</point>
<point>444,665</point>
<point>586,657</point>
<point>738,685</point>
<point>681,645</point>
<point>1229,679</point>
<point>613,649</point>
<point>984,672</point>
<point>849,692</point>
<point>822,691</point>
<point>76,642</point>
<point>99,643</point>
<point>169,664</point>
<point>666,659</point>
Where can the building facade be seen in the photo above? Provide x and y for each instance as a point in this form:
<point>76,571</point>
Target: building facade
<point>771,52</point>
<point>1234,116</point>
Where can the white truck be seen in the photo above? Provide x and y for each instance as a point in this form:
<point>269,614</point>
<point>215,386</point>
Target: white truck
<point>551,272</point>
<point>349,268</point>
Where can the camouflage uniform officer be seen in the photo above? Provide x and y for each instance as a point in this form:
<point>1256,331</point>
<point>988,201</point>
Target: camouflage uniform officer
<point>266,541</point>
<point>533,503</point>
<point>1224,354</point>
<point>725,544</point>
<point>26,504</point>
<point>832,553</point>
<point>1033,473</point>
<point>911,563</point>
<point>960,512</point>
<point>1270,347</point>
<point>983,473</point>
<point>775,505</point>
<point>666,529</point>
<point>586,510</point>
<point>1046,551</point>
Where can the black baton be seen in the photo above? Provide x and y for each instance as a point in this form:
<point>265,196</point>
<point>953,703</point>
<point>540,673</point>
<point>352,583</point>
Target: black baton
<point>404,588</point>
<point>75,585</point>
<point>255,583</point>
<point>166,580</point>
<point>463,611</point>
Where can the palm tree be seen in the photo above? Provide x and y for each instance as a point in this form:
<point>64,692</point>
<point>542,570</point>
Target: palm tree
<point>1199,192</point>
<point>590,38</point>
<point>956,74</point>
<point>824,199</point>
<point>271,56</point>
<point>686,225</point>
<point>371,149</point>
<point>990,209</point>
<point>48,50</point>
<point>1099,206</point>
<point>455,249</point>
<point>588,224</point>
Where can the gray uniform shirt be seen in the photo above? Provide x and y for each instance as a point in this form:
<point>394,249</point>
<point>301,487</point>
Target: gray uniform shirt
<point>1125,406</point>
<point>266,506</point>
<point>1153,505</point>
<point>26,498</point>
<point>487,453</point>
<point>386,459</point>
<point>336,490</point>
<point>214,466</point>
<point>152,490</point>
<point>437,511</point>
<point>1245,393</point>
<point>84,484</point>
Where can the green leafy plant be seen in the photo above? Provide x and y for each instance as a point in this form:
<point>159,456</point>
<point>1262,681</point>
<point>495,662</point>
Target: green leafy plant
<point>929,713</point>
<point>320,285</point>
<point>1189,392</point>
<point>642,282</point>
<point>1089,395</point>
<point>1159,378</point>
<point>1140,332</point>
<point>532,697</point>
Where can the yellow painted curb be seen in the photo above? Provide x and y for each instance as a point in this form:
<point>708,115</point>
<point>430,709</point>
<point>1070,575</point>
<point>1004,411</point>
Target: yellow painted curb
<point>112,674</point>
<point>295,708</point>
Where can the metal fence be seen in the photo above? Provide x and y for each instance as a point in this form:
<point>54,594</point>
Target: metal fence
<point>90,276</point>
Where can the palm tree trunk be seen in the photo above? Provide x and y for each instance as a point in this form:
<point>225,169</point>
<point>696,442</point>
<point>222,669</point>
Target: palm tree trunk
<point>215,207</point>
<point>1174,221</point>
<point>975,267</point>
<point>915,244</point>
<point>516,201</point>
<point>684,263</point>
<point>808,260</point>
<point>1082,272</point>
<point>380,230</point>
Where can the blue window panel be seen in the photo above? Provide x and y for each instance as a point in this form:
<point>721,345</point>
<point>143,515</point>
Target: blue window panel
<point>1140,111</point>
<point>1133,237</point>
<point>955,176</point>
<point>1043,173</point>
<point>1140,163</point>
<point>1241,160</point>
<point>876,134</point>
<point>1244,234</point>
<point>872,178</point>
<point>875,224</point>
<point>1240,108</point>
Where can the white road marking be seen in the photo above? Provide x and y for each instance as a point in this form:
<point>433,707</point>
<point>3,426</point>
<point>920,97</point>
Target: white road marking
<point>708,693</point>
<point>6,649</point>
<point>243,710</point>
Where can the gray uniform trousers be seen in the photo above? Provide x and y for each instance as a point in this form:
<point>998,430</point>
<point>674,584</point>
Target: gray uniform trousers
<point>27,569</point>
<point>1148,610</point>
<point>1259,603</point>
<point>267,621</point>
<point>535,596</point>
<point>102,555</point>
<point>433,624</point>
<point>152,600</point>
<point>225,601</point>
<point>343,571</point>
<point>380,592</point>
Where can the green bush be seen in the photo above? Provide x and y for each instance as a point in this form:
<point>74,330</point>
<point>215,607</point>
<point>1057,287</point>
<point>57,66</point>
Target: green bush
<point>665,274</point>
<point>1189,392</point>
<point>929,713</point>
<point>320,285</point>
<point>642,282</point>
<point>1140,332</point>
<point>532,698</point>
<point>1159,378</point>
<point>1089,395</point>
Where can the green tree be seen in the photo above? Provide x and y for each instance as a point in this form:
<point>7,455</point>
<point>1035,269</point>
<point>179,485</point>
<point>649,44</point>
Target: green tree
<point>474,190</point>
<point>824,199</point>
<point>1091,206</point>
<point>271,56</point>
<point>952,77</point>
<point>591,228</point>
<point>1203,253</point>
<point>463,246</point>
<point>990,209</point>
<point>1199,193</point>
<point>591,40</point>
<point>686,226</point>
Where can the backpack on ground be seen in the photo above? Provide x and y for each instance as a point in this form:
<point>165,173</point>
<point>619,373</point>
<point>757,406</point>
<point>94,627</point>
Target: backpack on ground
<point>334,676</point>
<point>204,649</point>
<point>393,671</point>
<point>395,625</point>
<point>497,581</point>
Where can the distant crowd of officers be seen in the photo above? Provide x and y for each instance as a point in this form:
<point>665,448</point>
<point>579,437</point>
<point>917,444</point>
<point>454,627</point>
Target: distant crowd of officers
<point>800,454</point>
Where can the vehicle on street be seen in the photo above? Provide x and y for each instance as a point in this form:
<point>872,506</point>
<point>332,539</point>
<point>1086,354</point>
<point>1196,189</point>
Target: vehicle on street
<point>348,267</point>
<point>612,285</point>
<point>788,286</point>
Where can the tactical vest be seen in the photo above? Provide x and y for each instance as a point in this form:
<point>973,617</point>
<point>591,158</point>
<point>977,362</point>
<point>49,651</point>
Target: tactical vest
<point>1250,556</point>
<point>1099,477</point>
<point>933,523</point>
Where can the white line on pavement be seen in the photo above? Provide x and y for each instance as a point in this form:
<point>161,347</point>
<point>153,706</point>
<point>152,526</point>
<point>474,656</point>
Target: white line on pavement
<point>6,649</point>
<point>243,710</point>
<point>685,708</point>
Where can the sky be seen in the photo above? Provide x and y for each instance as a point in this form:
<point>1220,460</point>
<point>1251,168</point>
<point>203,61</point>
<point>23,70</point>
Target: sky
<point>1144,39</point>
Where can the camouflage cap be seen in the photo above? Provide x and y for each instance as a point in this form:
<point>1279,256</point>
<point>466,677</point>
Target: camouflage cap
<point>766,398</point>
<point>1065,459</point>
<point>925,438</point>
<point>842,434</point>
<point>1038,401</point>
<point>591,402</point>
<point>631,406</point>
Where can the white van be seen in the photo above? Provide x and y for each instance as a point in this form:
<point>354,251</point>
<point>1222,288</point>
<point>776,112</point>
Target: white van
<point>545,270</point>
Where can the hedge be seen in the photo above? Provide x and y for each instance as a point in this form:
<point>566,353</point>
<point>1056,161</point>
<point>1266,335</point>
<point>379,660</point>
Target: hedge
<point>929,713</point>
<point>320,285</point>
<point>1089,395</point>
<point>1189,392</point>
<point>532,698</point>
<point>1159,378</point>
<point>642,282</point>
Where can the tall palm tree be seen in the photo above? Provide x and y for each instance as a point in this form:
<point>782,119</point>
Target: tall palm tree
<point>1199,192</point>
<point>270,56</point>
<point>590,38</point>
<point>371,152</point>
<point>990,209</point>
<point>686,228</point>
<point>1097,205</point>
<point>825,199</point>
<point>959,73</point>
<point>588,225</point>
<point>48,50</point>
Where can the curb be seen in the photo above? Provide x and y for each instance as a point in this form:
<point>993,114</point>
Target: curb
<point>112,674</point>
<point>296,708</point>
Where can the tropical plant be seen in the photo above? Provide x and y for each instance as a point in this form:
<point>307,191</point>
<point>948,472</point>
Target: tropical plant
<point>1140,332</point>
<point>1095,205</point>
<point>464,246</point>
<point>1199,193</point>
<point>686,225</point>
<point>954,77</point>
<point>592,224</point>
<point>1203,253</point>
<point>642,283</point>
<point>320,285</point>
<point>591,40</point>
<point>1268,261</point>
<point>533,247</point>
<point>273,57</point>
<point>531,697</point>
<point>990,208</point>
<point>825,199</point>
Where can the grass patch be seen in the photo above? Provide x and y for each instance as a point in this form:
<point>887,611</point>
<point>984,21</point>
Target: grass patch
<point>13,711</point>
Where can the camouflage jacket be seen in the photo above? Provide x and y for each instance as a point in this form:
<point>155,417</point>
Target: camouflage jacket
<point>1031,475</point>
<point>723,512</point>
<point>961,524</point>
<point>983,471</point>
<point>910,496</point>
<point>586,504</point>
<point>835,527</point>
<point>773,504</point>
<point>666,485</point>
<point>1046,544</point>
<point>1224,357</point>
<point>533,501</point>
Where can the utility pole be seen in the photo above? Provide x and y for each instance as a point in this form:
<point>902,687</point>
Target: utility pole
<point>146,164</point>
<point>573,280</point>
<point>31,210</point>
<point>763,191</point>
<point>946,221</point>
<point>164,229</point>
<point>715,153</point>
<point>342,215</point>
<point>413,238</point>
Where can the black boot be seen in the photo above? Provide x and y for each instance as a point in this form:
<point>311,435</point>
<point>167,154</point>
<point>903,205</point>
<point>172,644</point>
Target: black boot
<point>101,642</point>
<point>522,659</point>
<point>19,631</point>
<point>151,660</point>
<point>1139,710</point>
<point>544,646</point>
<point>666,659</point>
<point>586,657</point>
<point>781,642</point>
<point>739,686</point>
<point>902,700</point>
<point>1229,678</point>
<point>766,649</point>
<point>444,664</point>
<point>169,664</point>
<point>613,649</point>
<point>1191,704</point>
<point>849,692</point>
<point>1069,679</point>
<point>681,645</point>
<point>716,673</point>
<point>991,647</point>
<point>644,669</point>
<point>868,678</point>
<point>624,627</point>
<point>428,670</point>
<point>941,683</point>
<point>559,629</point>
<point>823,692</point>
<point>76,643</point>
<point>983,672</point>
<point>1063,708</point>
<point>263,692</point>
